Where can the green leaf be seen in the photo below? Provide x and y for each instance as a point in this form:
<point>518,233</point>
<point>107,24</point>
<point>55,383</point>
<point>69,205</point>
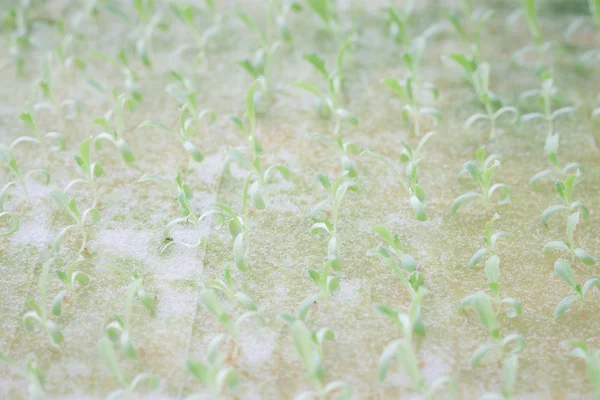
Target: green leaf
<point>564,305</point>
<point>585,257</point>
<point>572,222</point>
<point>318,63</point>
<point>492,272</point>
<point>57,303</point>
<point>256,197</point>
<point>549,212</point>
<point>199,370</point>
<point>461,199</point>
<point>239,252</point>
<point>565,272</point>
<point>390,351</point>
<point>477,257</point>
<point>481,351</point>
<point>555,246</point>
<point>395,86</point>
<point>125,151</point>
<point>193,151</point>
<point>418,208</point>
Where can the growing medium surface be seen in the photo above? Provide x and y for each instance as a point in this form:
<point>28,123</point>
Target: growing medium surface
<point>169,62</point>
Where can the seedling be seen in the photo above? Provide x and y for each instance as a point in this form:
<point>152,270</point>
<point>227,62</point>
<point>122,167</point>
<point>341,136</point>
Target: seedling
<point>331,207</point>
<point>7,158</point>
<point>237,228</point>
<point>403,350</point>
<point>119,329</point>
<point>219,378</point>
<point>585,257</point>
<point>510,367</point>
<point>226,287</point>
<point>493,106</point>
<point>565,272</point>
<point>590,356</point>
<point>79,219</point>
<point>511,344</point>
<point>212,304</point>
<point>67,108</point>
<point>403,264</point>
<point>32,373</point>
<point>330,103</point>
<point>344,149</point>
<point>564,188</point>
<point>70,278</point>
<point>416,192</point>
<point>15,222</point>
<point>128,386</point>
<point>260,66</point>
<point>546,96</point>
<point>482,170</point>
<point>551,149</point>
<point>39,310</point>
<point>327,283</point>
<point>148,21</point>
<point>114,126</point>
<point>16,21</point>
<point>489,239</point>
<point>326,11</point>
<point>397,21</point>
<point>91,170</point>
<point>247,124</point>
<point>201,37</point>
<point>309,346</point>
<point>470,26</point>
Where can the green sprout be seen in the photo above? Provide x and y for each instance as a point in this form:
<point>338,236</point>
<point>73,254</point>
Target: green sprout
<point>28,117</point>
<point>79,219</point>
<point>493,106</point>
<point>326,213</point>
<point>565,272</point>
<point>39,309</point>
<point>119,329</point>
<point>564,188</point>
<point>590,356</point>
<point>469,27</point>
<point>219,378</point>
<point>148,21</point>
<point>260,65</point>
<point>411,90</point>
<point>70,106</point>
<point>327,283</point>
<point>345,150</point>
<point>247,124</point>
<point>489,238</point>
<point>482,170</point>
<point>413,187</point>
<point>403,350</point>
<point>70,278</point>
<point>309,346</point>
<point>330,103</point>
<point>114,126</point>
<point>551,150</point>
<point>128,385</point>
<point>397,22</point>
<point>585,257</point>
<point>326,11</point>
<point>7,158</point>
<point>187,14</point>
<point>63,50</point>
<point>510,344</point>
<point>211,303</point>
<point>531,15</point>
<point>510,367</point>
<point>403,264</point>
<point>546,97</point>
<point>19,25</point>
<point>32,373</point>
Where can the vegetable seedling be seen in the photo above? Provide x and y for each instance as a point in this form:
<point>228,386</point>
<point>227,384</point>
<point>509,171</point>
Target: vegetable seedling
<point>309,346</point>
<point>113,124</point>
<point>330,103</point>
<point>590,356</point>
<point>564,188</point>
<point>148,21</point>
<point>585,257</point>
<point>403,264</point>
<point>79,219</point>
<point>344,149</point>
<point>412,159</point>
<point>510,367</point>
<point>546,96</point>
<point>219,378</point>
<point>32,373</point>
<point>326,213</point>
<point>67,109</point>
<point>412,89</point>
<point>482,171</point>
<point>39,310</point>
<point>327,283</point>
<point>469,27</point>
<point>493,106</point>
<point>397,21</point>
<point>128,386</point>
<point>119,329</point>
<point>7,158</point>
<point>541,47</point>
<point>551,149</point>
<point>28,117</point>
<point>327,12</point>
<point>212,304</point>
<point>70,279</point>
<point>564,271</point>
<point>403,350</point>
<point>247,124</point>
<point>510,344</point>
<point>489,239</point>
